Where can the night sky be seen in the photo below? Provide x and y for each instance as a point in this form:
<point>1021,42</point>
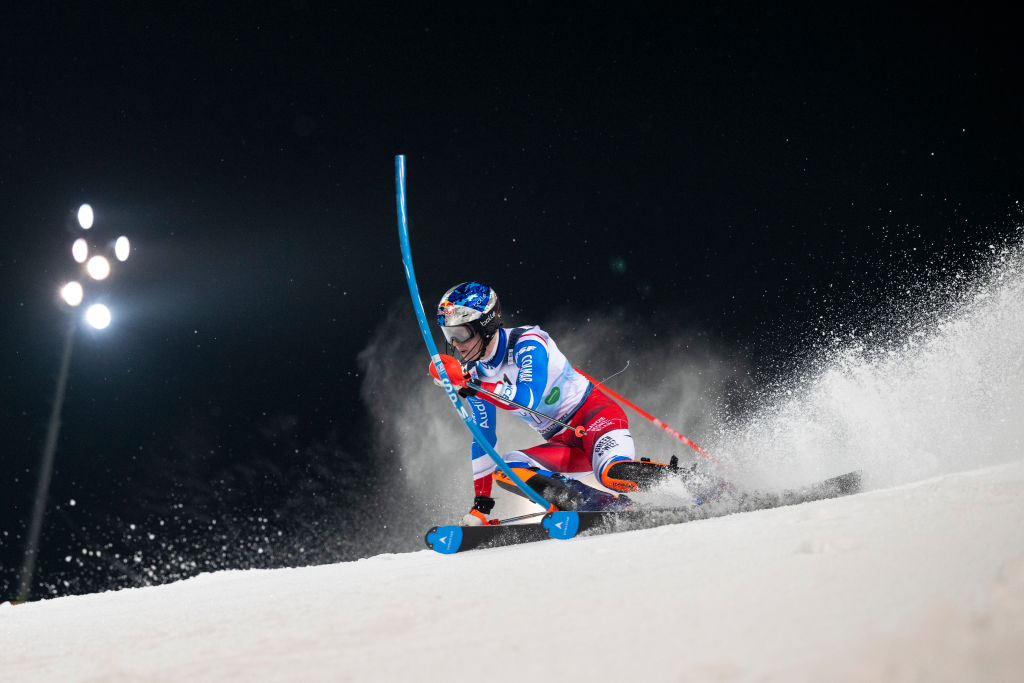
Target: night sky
<point>732,170</point>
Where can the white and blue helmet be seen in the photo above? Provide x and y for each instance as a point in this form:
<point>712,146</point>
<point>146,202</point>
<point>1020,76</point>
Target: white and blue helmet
<point>467,309</point>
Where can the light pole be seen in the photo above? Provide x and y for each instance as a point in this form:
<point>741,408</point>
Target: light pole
<point>98,268</point>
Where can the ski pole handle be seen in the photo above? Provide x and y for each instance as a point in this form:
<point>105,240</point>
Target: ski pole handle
<point>578,431</point>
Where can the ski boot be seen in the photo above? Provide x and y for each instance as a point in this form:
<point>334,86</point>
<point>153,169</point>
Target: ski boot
<point>564,493</point>
<point>644,475</point>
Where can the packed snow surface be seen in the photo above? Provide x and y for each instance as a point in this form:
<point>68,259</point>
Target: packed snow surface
<point>920,582</point>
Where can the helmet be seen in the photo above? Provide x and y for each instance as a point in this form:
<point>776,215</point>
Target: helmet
<point>467,309</point>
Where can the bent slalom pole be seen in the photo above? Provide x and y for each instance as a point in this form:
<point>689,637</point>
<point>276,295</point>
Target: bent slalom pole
<point>656,421</point>
<point>421,318</point>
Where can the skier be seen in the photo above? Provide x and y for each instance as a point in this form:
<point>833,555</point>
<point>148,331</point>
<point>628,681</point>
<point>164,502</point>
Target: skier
<point>523,364</point>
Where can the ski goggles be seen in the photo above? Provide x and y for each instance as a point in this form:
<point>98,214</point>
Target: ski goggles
<point>458,333</point>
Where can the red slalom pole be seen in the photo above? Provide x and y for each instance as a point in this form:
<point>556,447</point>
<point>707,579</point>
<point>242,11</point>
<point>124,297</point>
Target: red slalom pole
<point>656,421</point>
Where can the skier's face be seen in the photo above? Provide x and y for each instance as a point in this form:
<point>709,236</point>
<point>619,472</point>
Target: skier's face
<point>469,344</point>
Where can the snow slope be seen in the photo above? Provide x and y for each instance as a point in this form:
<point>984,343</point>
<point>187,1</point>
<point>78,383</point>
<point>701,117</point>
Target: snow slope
<point>919,582</point>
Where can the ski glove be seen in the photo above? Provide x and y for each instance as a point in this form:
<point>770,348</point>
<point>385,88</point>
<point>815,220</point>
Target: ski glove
<point>482,506</point>
<point>456,373</point>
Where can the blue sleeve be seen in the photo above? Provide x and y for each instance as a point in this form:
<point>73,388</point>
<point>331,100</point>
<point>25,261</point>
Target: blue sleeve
<point>531,358</point>
<point>484,415</point>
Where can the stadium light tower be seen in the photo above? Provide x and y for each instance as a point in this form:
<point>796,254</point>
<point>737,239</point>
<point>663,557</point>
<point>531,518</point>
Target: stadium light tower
<point>97,315</point>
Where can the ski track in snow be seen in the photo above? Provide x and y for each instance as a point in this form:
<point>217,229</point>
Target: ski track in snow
<point>920,582</point>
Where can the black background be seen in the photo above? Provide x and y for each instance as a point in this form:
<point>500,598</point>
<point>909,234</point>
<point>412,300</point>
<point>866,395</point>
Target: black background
<point>734,169</point>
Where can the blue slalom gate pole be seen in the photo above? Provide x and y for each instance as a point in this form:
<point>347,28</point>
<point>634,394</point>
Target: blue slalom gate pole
<point>435,357</point>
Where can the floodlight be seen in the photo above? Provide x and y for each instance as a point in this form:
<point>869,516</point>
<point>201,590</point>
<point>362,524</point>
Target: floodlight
<point>72,293</point>
<point>98,316</point>
<point>85,216</point>
<point>122,248</point>
<point>80,250</point>
<point>98,268</point>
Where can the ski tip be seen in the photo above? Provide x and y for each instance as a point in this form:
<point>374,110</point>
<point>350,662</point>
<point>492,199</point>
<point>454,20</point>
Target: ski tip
<point>842,485</point>
<point>845,484</point>
<point>852,481</point>
<point>561,524</point>
<point>444,539</point>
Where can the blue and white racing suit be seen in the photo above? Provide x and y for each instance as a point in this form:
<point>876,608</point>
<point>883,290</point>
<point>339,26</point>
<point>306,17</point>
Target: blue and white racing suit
<point>534,373</point>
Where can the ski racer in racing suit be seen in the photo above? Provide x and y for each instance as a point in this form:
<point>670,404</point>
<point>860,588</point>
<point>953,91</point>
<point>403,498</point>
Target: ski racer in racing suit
<point>524,365</point>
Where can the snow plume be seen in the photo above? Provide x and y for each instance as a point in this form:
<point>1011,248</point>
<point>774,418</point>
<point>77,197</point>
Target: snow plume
<point>932,385</point>
<point>679,377</point>
<point>417,436</point>
<point>925,384</point>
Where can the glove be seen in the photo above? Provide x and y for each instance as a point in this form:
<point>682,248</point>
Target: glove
<point>504,393</point>
<point>456,373</point>
<point>500,389</point>
<point>482,506</point>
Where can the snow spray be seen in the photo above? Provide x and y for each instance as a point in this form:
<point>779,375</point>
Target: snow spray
<point>932,384</point>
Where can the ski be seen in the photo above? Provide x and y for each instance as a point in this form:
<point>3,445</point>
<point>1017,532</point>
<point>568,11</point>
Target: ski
<point>565,524</point>
<point>455,539</point>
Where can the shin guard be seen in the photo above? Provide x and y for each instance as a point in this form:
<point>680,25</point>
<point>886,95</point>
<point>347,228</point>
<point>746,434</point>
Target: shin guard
<point>565,494</point>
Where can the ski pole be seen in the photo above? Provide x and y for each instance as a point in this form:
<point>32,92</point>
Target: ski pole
<point>578,431</point>
<point>522,517</point>
<point>656,421</point>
